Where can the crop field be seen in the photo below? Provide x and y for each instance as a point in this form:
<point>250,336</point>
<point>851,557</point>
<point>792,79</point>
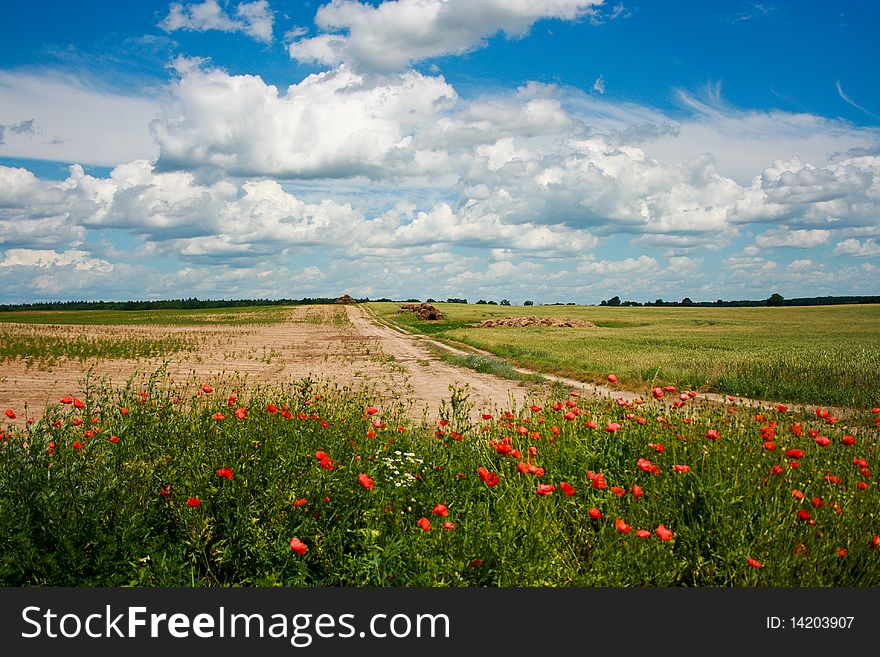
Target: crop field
<point>818,355</point>
<point>315,471</point>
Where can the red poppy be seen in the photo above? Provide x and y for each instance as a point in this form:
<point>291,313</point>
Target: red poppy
<point>225,472</point>
<point>371,410</point>
<point>77,445</point>
<point>10,413</point>
<point>566,488</point>
<point>365,481</point>
<point>425,524</point>
<point>781,408</point>
<point>617,490</point>
<point>622,527</point>
<point>862,485</point>
<point>647,466</point>
<point>770,446</point>
<point>300,502</point>
<point>597,480</point>
<point>841,553</point>
<point>657,447</point>
<point>218,416</point>
<point>114,439</point>
<point>241,413</point>
<point>798,494</point>
<point>78,404</point>
<point>657,393</point>
<point>487,416</point>
<point>231,400</point>
<point>777,469</point>
<point>67,399</point>
<point>668,388</point>
<point>848,440</point>
<point>875,541</point>
<point>795,453</point>
<point>449,525</point>
<point>207,389</point>
<point>612,378</point>
<point>298,546</point>
<point>272,408</point>
<point>595,514</point>
<point>818,502</point>
<point>194,502</point>
<point>612,427</point>
<point>712,434</point>
<point>831,479</point>
<point>681,468</point>
<point>637,491</point>
<point>753,563</point>
<point>440,510</point>
<point>545,489</point>
<point>663,533</point>
<point>803,514</point>
<point>823,441</point>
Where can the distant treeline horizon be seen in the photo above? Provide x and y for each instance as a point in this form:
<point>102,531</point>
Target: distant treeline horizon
<point>197,304</point>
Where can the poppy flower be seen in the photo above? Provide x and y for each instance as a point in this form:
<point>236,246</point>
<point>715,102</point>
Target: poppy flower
<point>298,546</point>
<point>10,413</point>
<point>712,434</point>
<point>875,541</point>
<point>194,502</point>
<point>681,468</point>
<point>770,446</point>
<point>207,389</point>
<point>657,393</point>
<point>486,416</point>
<point>78,404</point>
<point>803,514</point>
<point>818,502</point>
<point>425,524</point>
<point>781,408</point>
<point>795,453</point>
<point>668,388</point>
<point>231,400</point>
<point>643,533</point>
<point>862,485</point>
<point>637,491</point>
<point>617,490</point>
<point>241,413</point>
<point>566,488</point>
<point>754,563</point>
<point>67,399</point>
<point>622,527</point>
<point>218,416</point>
<point>225,472</point>
<point>545,489</point>
<point>832,479</point>
<point>594,513</point>
<point>365,481</point>
<point>440,510</point>
<point>798,494</point>
<point>612,378</point>
<point>848,440</point>
<point>300,502</point>
<point>597,480</point>
<point>777,469</point>
<point>612,427</point>
<point>841,553</point>
<point>647,466</point>
<point>77,445</point>
<point>449,525</point>
<point>823,441</point>
<point>272,408</point>
<point>663,533</point>
<point>372,410</point>
<point>114,439</point>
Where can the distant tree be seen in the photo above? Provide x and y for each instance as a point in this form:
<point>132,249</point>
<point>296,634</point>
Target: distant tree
<point>658,302</point>
<point>775,299</point>
<point>493,303</point>
<point>430,300</point>
<point>412,301</point>
<point>454,300</point>
<point>481,302</point>
<point>719,302</point>
<point>528,302</point>
<point>613,301</point>
<point>505,302</point>
<point>687,302</point>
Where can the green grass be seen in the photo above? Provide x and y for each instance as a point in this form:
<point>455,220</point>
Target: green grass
<point>486,365</point>
<point>202,316</point>
<point>78,508</point>
<point>820,355</point>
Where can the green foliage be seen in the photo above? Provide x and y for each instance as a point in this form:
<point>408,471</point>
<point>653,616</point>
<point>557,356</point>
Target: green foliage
<point>78,508</point>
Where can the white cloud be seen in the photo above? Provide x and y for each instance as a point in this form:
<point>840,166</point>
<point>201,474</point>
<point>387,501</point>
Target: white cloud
<point>799,239</point>
<point>397,33</point>
<point>252,18</point>
<point>853,247</point>
<point>43,259</point>
<point>599,85</point>
<point>73,121</point>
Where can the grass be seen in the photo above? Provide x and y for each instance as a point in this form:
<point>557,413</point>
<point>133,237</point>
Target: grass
<point>197,317</point>
<point>820,355</point>
<point>207,489</point>
<point>486,365</point>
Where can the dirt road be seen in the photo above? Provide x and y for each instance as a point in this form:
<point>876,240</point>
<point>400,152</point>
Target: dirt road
<point>333,344</point>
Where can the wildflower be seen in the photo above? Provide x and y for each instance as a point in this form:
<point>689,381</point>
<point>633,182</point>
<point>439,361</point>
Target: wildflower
<point>77,445</point>
<point>657,447</point>
<point>298,546</point>
<point>643,533</point>
<point>241,413</point>
<point>114,439</point>
<point>218,416</point>
<point>795,453</point>
<point>365,481</point>
<point>10,413</point>
<point>841,553</point>
<point>594,513</point>
<point>770,446</point>
<point>300,502</point>
<point>67,399</point>
<point>681,468</point>
<point>663,533</point>
<point>194,502</point>
<point>875,541</point>
<point>848,440</point>
<point>371,410</point>
<point>712,434</point>
<point>225,472</point>
<point>637,492</point>
<point>545,489</point>
<point>597,480</point>
<point>823,441</point>
<point>207,389</point>
<point>78,404</point>
<point>566,488</point>
<point>448,525</point>
<point>617,490</point>
<point>440,510</point>
<point>272,408</point>
<point>612,427</point>
<point>754,563</point>
<point>798,494</point>
<point>657,393</point>
<point>777,469</point>
<point>803,514</point>
<point>621,526</point>
<point>486,416</point>
<point>612,378</point>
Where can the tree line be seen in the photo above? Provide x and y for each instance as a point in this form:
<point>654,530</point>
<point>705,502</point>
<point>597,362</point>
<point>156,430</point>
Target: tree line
<point>774,299</point>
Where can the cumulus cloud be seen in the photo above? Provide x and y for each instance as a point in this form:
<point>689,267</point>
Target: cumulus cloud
<point>853,247</point>
<point>799,239</point>
<point>252,18</point>
<point>394,34</point>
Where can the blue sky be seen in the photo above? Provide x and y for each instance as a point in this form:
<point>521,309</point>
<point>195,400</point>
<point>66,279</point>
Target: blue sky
<point>553,150</point>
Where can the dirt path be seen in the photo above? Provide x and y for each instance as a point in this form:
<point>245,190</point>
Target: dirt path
<point>336,345</point>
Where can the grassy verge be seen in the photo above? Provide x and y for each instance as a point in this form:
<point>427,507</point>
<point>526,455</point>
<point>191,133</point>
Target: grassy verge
<point>165,485</point>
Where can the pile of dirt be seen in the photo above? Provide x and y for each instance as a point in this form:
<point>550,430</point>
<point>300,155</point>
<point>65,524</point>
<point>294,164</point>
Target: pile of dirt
<point>347,300</point>
<point>423,310</point>
<point>533,320</point>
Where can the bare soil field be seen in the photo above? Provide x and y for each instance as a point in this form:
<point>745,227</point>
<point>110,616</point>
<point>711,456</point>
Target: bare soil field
<point>331,344</point>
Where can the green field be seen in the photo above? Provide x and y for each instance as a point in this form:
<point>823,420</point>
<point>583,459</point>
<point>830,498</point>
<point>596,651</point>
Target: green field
<point>818,355</point>
<point>197,317</point>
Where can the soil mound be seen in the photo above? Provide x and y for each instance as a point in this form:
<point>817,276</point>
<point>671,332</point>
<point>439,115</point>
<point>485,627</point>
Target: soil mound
<point>533,320</point>
<point>423,310</point>
<point>346,300</point>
